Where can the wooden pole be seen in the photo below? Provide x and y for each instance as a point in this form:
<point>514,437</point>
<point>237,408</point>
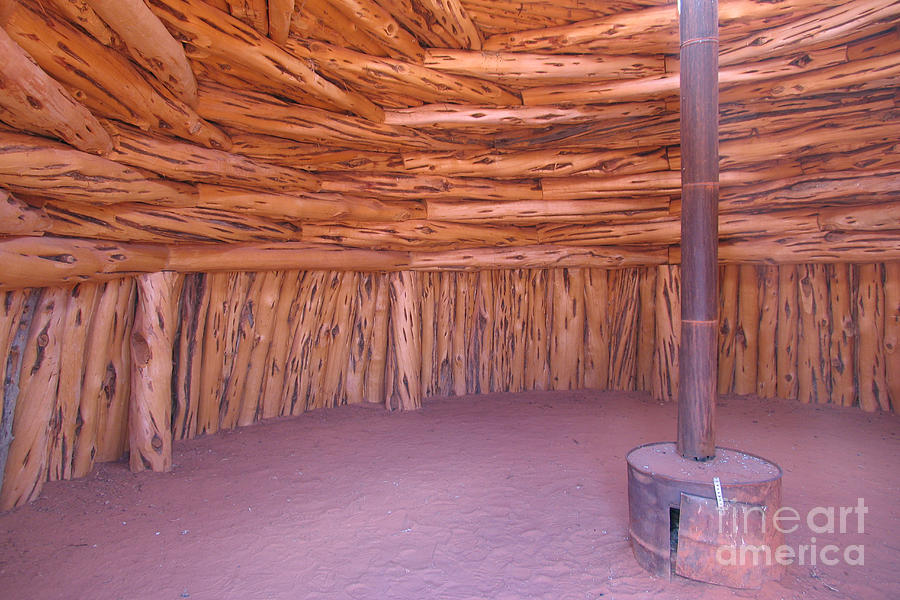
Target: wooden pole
<point>699,228</point>
<point>152,339</point>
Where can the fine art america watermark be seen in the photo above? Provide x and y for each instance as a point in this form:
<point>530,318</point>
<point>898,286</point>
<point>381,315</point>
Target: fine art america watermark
<point>821,520</point>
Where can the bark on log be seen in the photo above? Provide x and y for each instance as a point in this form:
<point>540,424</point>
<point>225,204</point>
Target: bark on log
<point>215,301</point>
<point>263,299</point>
<point>814,339</point>
<point>150,45</point>
<point>26,462</point>
<point>152,339</point>
<point>462,319</point>
<point>456,21</point>
<point>275,366</point>
<point>567,332</point>
<point>446,317</point>
<point>480,327</point>
<point>187,356</point>
<point>375,382</point>
<point>252,12</point>
<point>404,388</point>
<point>537,360</point>
<point>80,13</point>
<point>361,340</point>
<point>35,102</point>
<point>16,315</point>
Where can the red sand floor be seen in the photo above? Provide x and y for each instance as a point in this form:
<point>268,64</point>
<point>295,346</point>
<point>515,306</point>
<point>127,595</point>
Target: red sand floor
<point>499,496</point>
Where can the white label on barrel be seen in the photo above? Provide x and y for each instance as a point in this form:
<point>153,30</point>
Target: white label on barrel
<point>720,503</point>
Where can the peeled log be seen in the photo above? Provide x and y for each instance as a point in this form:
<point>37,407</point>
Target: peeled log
<point>280,12</point>
<point>18,218</point>
<point>521,69</point>
<point>870,217</point>
<point>187,162</point>
<point>417,234</point>
<point>33,165</point>
<point>892,332</point>
<point>27,460</point>
<point>233,41</point>
<point>404,388</point>
<point>150,45</point>
<point>34,101</point>
<point>387,77</point>
<point>537,257</point>
<point>104,80</point>
<point>47,261</point>
<point>152,340</point>
<point>870,349</point>
<point>377,22</point>
<point>259,113</point>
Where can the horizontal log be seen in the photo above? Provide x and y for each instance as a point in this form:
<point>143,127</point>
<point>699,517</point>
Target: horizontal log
<point>732,81</point>
<point>18,218</point>
<point>187,162</point>
<point>49,261</point>
<point>282,256</point>
<point>638,184</point>
<point>260,113</point>
<point>520,69</point>
<point>384,76</point>
<point>450,116</point>
<point>538,163</point>
<point>849,19</point>
<point>811,190</point>
<point>311,157</point>
<point>35,102</point>
<point>536,257</point>
<point>33,165</point>
<point>306,207</point>
<point>667,230</point>
<point>103,79</point>
<point>653,30</point>
<point>870,217</point>
<point>818,247</point>
<point>534,212</point>
<point>209,32</point>
<point>418,187</point>
<point>418,234</point>
<point>142,223</point>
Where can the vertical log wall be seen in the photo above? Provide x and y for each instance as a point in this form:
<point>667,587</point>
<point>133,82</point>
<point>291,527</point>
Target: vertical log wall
<point>247,346</point>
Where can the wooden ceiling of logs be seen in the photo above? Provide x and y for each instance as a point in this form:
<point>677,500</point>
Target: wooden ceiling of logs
<point>435,130</point>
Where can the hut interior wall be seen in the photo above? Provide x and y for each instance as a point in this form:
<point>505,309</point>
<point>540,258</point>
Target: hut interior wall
<point>245,346</point>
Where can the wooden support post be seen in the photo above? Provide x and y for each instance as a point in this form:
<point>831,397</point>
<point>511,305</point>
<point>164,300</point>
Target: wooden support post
<point>646,342</point>
<point>537,346</point>
<point>664,385</point>
<point>728,318</point>
<point>786,344</point>
<point>567,333</point>
<point>746,353</point>
<point>152,339</point>
<point>26,463</point>
<point>766,375</point>
<point>404,380</point>
<point>462,320</point>
<point>596,343</point>
<point>699,227</point>
<point>375,382</point>
<point>870,311</point>
<point>843,336</point>
<point>892,332</point>
<point>113,426</point>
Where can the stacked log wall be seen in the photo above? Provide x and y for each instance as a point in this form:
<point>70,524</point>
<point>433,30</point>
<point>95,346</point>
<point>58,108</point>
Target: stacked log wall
<point>246,346</point>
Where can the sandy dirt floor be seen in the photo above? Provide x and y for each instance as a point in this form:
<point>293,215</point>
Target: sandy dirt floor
<point>498,496</point>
